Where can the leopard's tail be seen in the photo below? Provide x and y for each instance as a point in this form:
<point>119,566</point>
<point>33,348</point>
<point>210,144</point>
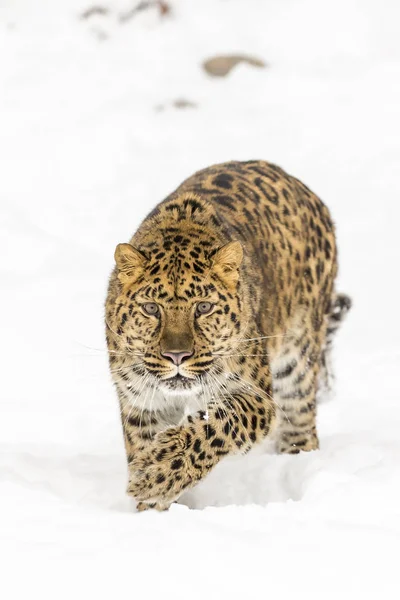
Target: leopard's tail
<point>341,304</point>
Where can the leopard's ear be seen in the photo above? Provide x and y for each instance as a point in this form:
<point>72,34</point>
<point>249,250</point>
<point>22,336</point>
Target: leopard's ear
<point>226,262</point>
<point>130,263</point>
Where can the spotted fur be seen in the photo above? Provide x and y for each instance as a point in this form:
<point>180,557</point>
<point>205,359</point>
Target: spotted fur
<point>258,247</point>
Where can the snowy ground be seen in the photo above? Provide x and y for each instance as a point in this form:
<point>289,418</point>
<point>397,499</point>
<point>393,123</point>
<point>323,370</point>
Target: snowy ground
<point>90,140</point>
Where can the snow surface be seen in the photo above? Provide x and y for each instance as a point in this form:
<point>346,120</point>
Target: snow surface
<point>90,140</point>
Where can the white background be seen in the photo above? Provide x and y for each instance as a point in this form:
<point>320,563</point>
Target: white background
<point>90,141</point>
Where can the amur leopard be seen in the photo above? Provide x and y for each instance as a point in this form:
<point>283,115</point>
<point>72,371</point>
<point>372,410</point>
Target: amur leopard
<point>220,316</point>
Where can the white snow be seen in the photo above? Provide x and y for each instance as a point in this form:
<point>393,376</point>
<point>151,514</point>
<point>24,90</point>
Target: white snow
<point>90,140</point>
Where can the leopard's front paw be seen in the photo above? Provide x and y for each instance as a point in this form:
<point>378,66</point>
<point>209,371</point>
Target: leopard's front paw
<point>162,470</point>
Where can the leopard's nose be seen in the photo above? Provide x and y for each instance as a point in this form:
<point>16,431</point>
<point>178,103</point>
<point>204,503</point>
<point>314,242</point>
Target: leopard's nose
<point>177,357</point>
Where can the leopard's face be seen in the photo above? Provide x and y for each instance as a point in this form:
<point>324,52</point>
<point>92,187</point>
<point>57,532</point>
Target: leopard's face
<point>182,340</point>
<point>178,323</point>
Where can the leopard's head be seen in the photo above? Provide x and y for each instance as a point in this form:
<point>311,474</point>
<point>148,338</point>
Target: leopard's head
<point>178,311</point>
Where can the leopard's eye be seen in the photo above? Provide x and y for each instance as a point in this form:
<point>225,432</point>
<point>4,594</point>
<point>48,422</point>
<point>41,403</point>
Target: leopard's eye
<point>204,308</point>
<point>151,308</point>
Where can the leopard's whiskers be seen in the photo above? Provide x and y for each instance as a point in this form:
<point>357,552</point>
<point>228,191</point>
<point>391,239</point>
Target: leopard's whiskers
<point>227,354</point>
<point>132,366</point>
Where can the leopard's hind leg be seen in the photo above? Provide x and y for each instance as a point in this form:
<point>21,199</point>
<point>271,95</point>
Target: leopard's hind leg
<point>294,375</point>
<point>298,373</point>
<point>341,304</point>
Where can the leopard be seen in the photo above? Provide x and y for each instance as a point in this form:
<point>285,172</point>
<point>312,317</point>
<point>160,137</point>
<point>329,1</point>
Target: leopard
<point>220,316</point>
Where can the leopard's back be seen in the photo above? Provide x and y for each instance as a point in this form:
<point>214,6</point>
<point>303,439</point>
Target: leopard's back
<point>287,233</point>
